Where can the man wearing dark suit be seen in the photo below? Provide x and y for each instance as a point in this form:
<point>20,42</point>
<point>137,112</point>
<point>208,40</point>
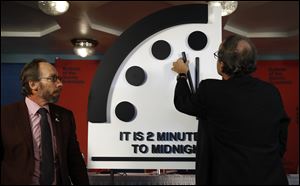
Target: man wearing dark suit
<point>21,141</point>
<point>242,129</point>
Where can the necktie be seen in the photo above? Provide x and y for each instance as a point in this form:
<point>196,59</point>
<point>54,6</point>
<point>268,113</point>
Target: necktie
<point>47,163</point>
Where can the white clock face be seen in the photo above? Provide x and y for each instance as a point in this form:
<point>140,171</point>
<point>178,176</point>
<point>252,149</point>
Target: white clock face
<point>142,127</point>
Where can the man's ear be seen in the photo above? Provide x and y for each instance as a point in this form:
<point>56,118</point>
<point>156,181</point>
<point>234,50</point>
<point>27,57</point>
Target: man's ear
<point>33,85</point>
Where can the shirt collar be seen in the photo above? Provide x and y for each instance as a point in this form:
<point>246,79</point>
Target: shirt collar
<point>33,107</point>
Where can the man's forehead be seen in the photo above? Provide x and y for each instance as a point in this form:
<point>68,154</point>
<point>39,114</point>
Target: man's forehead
<point>221,45</point>
<point>47,68</point>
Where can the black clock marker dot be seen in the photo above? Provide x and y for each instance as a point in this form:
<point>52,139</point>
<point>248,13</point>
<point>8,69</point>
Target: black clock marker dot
<point>135,76</point>
<point>125,111</point>
<point>197,40</point>
<point>161,49</point>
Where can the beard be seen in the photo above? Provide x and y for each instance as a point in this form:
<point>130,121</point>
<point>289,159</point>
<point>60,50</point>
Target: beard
<point>48,95</point>
<point>52,99</point>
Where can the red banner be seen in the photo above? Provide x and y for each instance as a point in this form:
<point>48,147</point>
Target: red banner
<point>77,77</point>
<point>285,76</point>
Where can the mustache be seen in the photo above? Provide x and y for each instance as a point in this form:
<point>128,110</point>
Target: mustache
<point>57,91</point>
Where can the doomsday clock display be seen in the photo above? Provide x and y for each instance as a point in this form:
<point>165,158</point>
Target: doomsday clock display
<point>133,123</point>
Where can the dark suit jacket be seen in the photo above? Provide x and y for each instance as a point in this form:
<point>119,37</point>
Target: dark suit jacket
<point>242,130</point>
<point>17,156</point>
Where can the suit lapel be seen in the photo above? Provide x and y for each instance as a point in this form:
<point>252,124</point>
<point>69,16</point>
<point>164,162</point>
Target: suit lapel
<point>24,124</point>
<point>56,126</point>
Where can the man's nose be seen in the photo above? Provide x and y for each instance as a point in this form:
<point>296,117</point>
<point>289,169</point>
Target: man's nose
<point>59,83</point>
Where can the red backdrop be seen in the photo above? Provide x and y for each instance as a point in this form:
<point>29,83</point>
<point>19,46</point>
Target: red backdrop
<point>77,77</point>
<point>285,76</point>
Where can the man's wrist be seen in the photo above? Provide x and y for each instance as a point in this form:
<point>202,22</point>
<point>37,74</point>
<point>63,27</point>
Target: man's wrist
<point>181,75</point>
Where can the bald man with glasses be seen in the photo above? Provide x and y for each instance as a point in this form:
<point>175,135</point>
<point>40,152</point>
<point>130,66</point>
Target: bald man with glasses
<point>242,131</point>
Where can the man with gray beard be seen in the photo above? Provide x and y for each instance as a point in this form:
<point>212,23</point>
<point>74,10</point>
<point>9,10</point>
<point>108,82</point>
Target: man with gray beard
<point>38,143</point>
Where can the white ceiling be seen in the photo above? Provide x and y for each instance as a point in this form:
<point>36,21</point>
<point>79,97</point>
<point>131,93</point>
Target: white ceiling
<point>273,25</point>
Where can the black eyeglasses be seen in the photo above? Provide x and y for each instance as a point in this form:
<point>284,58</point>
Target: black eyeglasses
<point>216,55</point>
<point>53,79</point>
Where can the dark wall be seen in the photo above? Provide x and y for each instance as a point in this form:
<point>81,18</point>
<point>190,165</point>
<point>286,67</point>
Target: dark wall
<point>10,86</point>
